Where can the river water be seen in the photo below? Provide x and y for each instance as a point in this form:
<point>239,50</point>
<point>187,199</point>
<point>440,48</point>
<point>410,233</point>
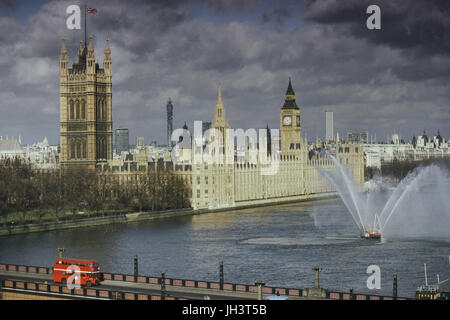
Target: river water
<point>278,244</point>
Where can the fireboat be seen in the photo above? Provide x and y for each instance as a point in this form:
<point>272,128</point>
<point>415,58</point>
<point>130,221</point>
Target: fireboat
<point>372,233</point>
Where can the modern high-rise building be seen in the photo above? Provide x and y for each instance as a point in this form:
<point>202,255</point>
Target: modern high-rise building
<point>329,130</point>
<point>122,140</point>
<point>169,109</point>
<point>85,107</point>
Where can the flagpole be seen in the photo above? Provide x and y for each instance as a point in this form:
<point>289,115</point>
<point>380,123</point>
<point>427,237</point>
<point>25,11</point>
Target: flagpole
<point>85,27</point>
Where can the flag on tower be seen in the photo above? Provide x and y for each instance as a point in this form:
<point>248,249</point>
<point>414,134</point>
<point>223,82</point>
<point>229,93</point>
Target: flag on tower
<point>91,10</point>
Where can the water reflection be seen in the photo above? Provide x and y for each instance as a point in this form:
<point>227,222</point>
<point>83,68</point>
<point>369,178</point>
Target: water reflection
<point>279,244</point>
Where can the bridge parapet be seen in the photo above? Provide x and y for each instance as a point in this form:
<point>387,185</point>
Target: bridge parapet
<point>232,287</point>
<point>57,290</point>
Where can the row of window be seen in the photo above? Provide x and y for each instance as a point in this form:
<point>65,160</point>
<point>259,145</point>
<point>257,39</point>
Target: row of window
<point>347,149</point>
<point>77,149</point>
<point>77,110</point>
<point>101,149</point>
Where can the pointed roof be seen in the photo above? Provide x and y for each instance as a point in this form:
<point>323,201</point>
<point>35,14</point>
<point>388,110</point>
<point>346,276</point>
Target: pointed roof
<point>289,90</point>
<point>63,48</point>
<point>185,127</point>
<point>107,48</point>
<point>91,45</point>
<point>80,50</point>
<point>289,100</point>
<point>220,120</point>
<point>219,97</point>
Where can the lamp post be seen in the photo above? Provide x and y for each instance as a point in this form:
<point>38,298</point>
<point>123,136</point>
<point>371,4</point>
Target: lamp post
<point>394,286</point>
<point>260,285</point>
<point>136,269</point>
<point>316,280</point>
<point>221,274</point>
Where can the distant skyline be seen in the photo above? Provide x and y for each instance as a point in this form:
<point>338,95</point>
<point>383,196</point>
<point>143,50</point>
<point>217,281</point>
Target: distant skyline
<point>393,80</point>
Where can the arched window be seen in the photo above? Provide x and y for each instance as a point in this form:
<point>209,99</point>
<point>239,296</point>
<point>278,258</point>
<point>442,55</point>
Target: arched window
<point>77,109</point>
<point>83,109</point>
<point>98,110</point>
<point>72,150</point>
<point>71,110</point>
<point>104,109</point>
<point>78,150</point>
<point>84,150</point>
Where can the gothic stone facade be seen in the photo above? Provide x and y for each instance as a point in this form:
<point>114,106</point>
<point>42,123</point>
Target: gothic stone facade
<point>222,185</point>
<point>85,108</point>
<point>297,176</point>
<point>86,138</point>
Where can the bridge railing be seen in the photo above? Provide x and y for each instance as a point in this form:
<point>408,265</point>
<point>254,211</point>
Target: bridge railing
<point>24,268</point>
<point>59,289</point>
<point>233,287</point>
<point>201,284</point>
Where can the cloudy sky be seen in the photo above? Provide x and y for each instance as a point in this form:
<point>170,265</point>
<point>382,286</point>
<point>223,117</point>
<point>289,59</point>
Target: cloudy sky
<point>393,80</point>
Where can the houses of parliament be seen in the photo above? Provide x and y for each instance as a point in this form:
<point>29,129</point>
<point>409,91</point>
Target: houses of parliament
<point>86,139</point>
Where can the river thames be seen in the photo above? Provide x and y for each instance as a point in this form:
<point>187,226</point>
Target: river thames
<point>277,244</point>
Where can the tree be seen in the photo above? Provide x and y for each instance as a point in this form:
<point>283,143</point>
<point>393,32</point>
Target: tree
<point>23,187</point>
<point>54,196</point>
<point>75,188</point>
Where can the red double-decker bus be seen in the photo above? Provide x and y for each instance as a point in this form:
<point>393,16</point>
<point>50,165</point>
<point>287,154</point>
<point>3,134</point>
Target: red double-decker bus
<point>87,272</point>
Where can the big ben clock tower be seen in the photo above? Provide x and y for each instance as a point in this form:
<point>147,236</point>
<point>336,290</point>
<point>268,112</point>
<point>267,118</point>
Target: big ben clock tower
<point>290,124</point>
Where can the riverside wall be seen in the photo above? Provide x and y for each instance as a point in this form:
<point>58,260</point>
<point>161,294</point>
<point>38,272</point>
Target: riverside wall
<point>141,216</point>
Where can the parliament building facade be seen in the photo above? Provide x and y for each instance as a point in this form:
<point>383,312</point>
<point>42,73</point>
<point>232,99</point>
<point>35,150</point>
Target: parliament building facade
<point>86,139</point>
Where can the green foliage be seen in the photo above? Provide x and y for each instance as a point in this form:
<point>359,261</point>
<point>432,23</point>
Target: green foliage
<point>399,169</point>
<point>28,195</point>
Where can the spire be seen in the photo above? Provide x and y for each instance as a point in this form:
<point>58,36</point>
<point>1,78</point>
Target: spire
<point>107,48</point>
<point>289,90</point>
<point>80,50</point>
<point>219,117</point>
<point>219,97</point>
<point>289,98</point>
<point>63,48</point>
<point>91,45</point>
<point>185,127</point>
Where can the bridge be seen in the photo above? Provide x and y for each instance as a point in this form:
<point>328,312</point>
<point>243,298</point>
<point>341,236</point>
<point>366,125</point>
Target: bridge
<point>35,282</point>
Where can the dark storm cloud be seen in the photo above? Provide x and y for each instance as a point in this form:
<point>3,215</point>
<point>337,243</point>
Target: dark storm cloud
<point>230,6</point>
<point>419,25</point>
<point>277,15</point>
<point>8,6</point>
<point>172,49</point>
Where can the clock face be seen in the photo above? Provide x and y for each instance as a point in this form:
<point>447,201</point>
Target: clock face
<point>287,121</point>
